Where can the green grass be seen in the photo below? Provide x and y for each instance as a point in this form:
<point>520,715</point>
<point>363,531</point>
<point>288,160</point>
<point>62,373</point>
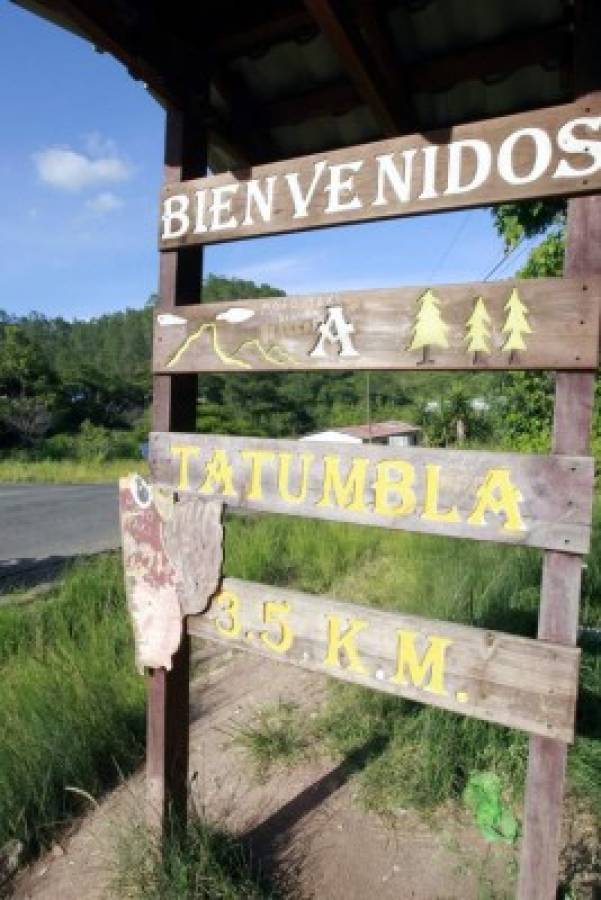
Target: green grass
<point>71,704</point>
<point>66,471</point>
<point>276,736</point>
<point>203,864</point>
<point>407,754</point>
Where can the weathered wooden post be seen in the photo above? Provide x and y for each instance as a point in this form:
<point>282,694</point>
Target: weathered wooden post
<point>174,408</point>
<point>562,574</point>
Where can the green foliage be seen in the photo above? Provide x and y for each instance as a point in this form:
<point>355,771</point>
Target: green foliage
<point>394,745</point>
<point>523,411</point>
<point>483,796</point>
<point>513,221</point>
<point>28,387</point>
<point>453,420</point>
<point>203,863</point>
<point>71,703</point>
<point>309,555</point>
<point>217,287</point>
<point>546,260</point>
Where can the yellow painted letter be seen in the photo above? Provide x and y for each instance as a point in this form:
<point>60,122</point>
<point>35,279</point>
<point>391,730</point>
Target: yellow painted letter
<point>256,458</point>
<point>431,511</point>
<point>184,451</point>
<point>346,642</point>
<point>499,495</point>
<point>403,486</point>
<point>284,477</point>
<point>218,472</point>
<point>348,495</point>
<point>230,604</point>
<point>414,671</point>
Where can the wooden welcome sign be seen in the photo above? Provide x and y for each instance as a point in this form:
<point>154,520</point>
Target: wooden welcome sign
<point>172,526</point>
<point>555,151</point>
<point>506,497</point>
<point>532,324</point>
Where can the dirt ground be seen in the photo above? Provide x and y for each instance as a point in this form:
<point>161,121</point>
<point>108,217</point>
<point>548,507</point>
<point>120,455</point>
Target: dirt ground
<point>302,822</point>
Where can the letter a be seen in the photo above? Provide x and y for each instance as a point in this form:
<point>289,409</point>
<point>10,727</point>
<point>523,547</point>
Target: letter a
<point>337,331</point>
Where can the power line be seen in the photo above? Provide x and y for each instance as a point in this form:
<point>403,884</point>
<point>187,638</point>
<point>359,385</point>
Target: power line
<point>519,255</point>
<point>445,254</point>
<point>504,258</point>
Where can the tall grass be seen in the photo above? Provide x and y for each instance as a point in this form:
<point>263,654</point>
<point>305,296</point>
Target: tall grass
<point>72,706</point>
<point>71,703</point>
<point>203,863</point>
<point>412,754</point>
<point>68,471</point>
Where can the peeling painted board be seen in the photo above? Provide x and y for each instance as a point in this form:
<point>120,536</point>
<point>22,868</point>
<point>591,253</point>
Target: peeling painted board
<point>546,323</point>
<point>172,556</point>
<point>543,501</point>
<point>515,157</point>
<point>514,681</point>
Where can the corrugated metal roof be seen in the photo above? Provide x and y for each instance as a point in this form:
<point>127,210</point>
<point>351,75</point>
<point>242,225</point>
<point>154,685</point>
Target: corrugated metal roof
<point>281,68</point>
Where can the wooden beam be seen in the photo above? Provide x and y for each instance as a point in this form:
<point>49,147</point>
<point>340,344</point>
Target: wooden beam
<point>562,575</point>
<point>560,595</point>
<point>354,59</point>
<point>174,406</point>
<point>393,72</point>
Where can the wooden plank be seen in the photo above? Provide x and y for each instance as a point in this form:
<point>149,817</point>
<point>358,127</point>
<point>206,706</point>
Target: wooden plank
<point>537,501</point>
<point>514,681</point>
<point>174,408</point>
<point>543,153</point>
<point>475,327</point>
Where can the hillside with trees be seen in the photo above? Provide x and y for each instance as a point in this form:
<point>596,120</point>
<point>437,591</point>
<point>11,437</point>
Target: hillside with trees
<point>77,388</point>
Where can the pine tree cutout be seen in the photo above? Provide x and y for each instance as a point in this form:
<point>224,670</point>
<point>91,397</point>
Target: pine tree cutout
<point>429,329</point>
<point>478,329</point>
<point>516,324</point>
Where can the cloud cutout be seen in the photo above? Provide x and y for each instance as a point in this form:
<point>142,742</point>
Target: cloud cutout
<point>105,202</point>
<point>64,168</point>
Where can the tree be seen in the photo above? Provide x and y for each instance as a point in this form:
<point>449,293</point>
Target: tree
<point>28,386</point>
<point>429,329</point>
<point>546,260</point>
<point>516,323</point>
<point>478,329</point>
<point>524,219</point>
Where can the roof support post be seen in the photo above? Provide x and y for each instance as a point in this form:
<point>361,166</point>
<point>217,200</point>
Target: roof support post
<point>174,409</point>
<point>562,574</point>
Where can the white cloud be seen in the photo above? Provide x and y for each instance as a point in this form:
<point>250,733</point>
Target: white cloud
<point>105,202</point>
<point>64,168</point>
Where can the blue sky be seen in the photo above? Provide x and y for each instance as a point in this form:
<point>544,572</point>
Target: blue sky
<point>80,170</point>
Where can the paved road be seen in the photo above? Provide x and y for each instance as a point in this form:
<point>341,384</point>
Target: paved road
<point>43,525</point>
